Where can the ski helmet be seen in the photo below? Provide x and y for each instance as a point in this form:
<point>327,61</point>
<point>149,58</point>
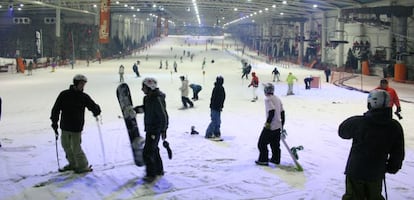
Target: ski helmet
<point>378,99</point>
<point>269,88</point>
<point>219,80</point>
<point>78,78</point>
<point>150,83</point>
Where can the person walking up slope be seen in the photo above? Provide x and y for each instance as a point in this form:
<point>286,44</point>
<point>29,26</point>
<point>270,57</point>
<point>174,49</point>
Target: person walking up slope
<point>216,106</point>
<point>70,107</point>
<point>184,93</point>
<point>255,84</point>
<point>156,124</point>
<point>377,148</point>
<point>275,119</point>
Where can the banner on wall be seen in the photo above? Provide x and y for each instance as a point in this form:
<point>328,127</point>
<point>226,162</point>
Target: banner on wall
<point>104,22</point>
<point>38,43</point>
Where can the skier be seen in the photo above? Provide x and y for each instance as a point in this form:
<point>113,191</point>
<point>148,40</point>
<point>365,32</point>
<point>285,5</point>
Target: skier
<point>160,64</point>
<point>276,74</point>
<point>218,96</point>
<point>394,100</point>
<point>246,70</point>
<point>166,64</point>
<point>327,72</point>
<point>196,89</point>
<point>70,107</point>
<point>135,68</point>
<point>275,119</point>
<point>204,63</point>
<point>175,66</point>
<point>290,78</point>
<point>184,93</point>
<point>377,148</point>
<point>30,68</point>
<point>255,84</point>
<point>121,73</point>
<point>156,124</point>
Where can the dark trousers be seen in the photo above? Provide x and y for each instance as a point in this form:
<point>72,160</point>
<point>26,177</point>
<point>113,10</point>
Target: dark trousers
<point>271,137</point>
<point>151,154</point>
<point>186,101</point>
<point>195,94</point>
<point>364,190</point>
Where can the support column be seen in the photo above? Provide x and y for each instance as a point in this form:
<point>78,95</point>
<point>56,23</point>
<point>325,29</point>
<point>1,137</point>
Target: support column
<point>301,43</point>
<point>323,39</point>
<point>159,26</point>
<point>340,55</point>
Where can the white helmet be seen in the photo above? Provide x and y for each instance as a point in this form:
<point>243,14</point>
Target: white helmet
<point>378,99</point>
<point>150,82</point>
<point>269,88</point>
<point>78,78</point>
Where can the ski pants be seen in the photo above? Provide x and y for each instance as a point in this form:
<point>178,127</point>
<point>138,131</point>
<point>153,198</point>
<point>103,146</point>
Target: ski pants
<point>271,137</point>
<point>214,126</point>
<point>71,143</point>
<point>186,100</point>
<point>359,189</point>
<point>151,154</point>
<point>290,88</point>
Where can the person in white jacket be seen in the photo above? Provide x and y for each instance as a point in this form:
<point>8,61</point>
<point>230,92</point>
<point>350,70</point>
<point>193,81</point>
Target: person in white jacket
<point>184,93</point>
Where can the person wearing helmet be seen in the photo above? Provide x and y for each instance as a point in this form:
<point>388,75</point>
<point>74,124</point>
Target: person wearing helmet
<point>70,108</point>
<point>218,96</point>
<point>275,119</point>
<point>394,100</point>
<point>184,93</point>
<point>255,84</point>
<point>156,124</point>
<point>377,148</point>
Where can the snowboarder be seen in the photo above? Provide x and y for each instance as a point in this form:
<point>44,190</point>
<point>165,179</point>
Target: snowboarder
<point>70,107</point>
<point>218,96</point>
<point>275,119</point>
<point>276,74</point>
<point>255,84</point>
<point>308,80</point>
<point>290,78</point>
<point>196,89</point>
<point>156,124</point>
<point>377,148</point>
<point>175,66</point>
<point>184,93</point>
<point>121,73</point>
<point>394,100</point>
<point>135,68</point>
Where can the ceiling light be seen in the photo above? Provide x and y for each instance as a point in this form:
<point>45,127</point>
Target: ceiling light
<point>315,6</point>
<point>117,2</point>
<point>273,6</point>
<point>284,2</point>
<point>235,9</point>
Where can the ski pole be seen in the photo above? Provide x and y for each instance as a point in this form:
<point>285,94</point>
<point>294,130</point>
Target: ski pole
<point>57,154</point>
<point>100,137</point>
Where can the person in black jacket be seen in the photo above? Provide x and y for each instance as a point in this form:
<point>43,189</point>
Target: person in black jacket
<point>377,148</point>
<point>70,107</point>
<point>216,105</point>
<point>156,124</point>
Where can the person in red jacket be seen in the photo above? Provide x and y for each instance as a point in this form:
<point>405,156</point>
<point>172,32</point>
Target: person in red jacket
<point>255,84</point>
<point>394,100</point>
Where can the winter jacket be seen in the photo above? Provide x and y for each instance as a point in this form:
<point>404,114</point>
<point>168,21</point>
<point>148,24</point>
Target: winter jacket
<point>184,88</point>
<point>195,87</point>
<point>217,97</point>
<point>377,144</point>
<point>155,112</point>
<point>394,100</point>
<point>254,82</point>
<point>70,104</point>
<point>290,78</point>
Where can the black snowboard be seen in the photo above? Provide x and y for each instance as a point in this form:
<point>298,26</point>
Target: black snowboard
<point>137,142</point>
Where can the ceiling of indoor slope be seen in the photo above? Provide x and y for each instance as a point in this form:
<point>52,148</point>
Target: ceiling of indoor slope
<point>195,12</point>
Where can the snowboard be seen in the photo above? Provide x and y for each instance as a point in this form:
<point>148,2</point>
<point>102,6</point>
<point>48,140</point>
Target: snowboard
<point>137,141</point>
<point>292,151</point>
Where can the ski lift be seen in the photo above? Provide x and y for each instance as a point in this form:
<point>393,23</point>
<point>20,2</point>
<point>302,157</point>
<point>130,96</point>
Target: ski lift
<point>361,46</point>
<point>337,37</point>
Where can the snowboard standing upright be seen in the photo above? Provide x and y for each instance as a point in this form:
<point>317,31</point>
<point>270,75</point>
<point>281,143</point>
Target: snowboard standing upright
<point>137,142</point>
